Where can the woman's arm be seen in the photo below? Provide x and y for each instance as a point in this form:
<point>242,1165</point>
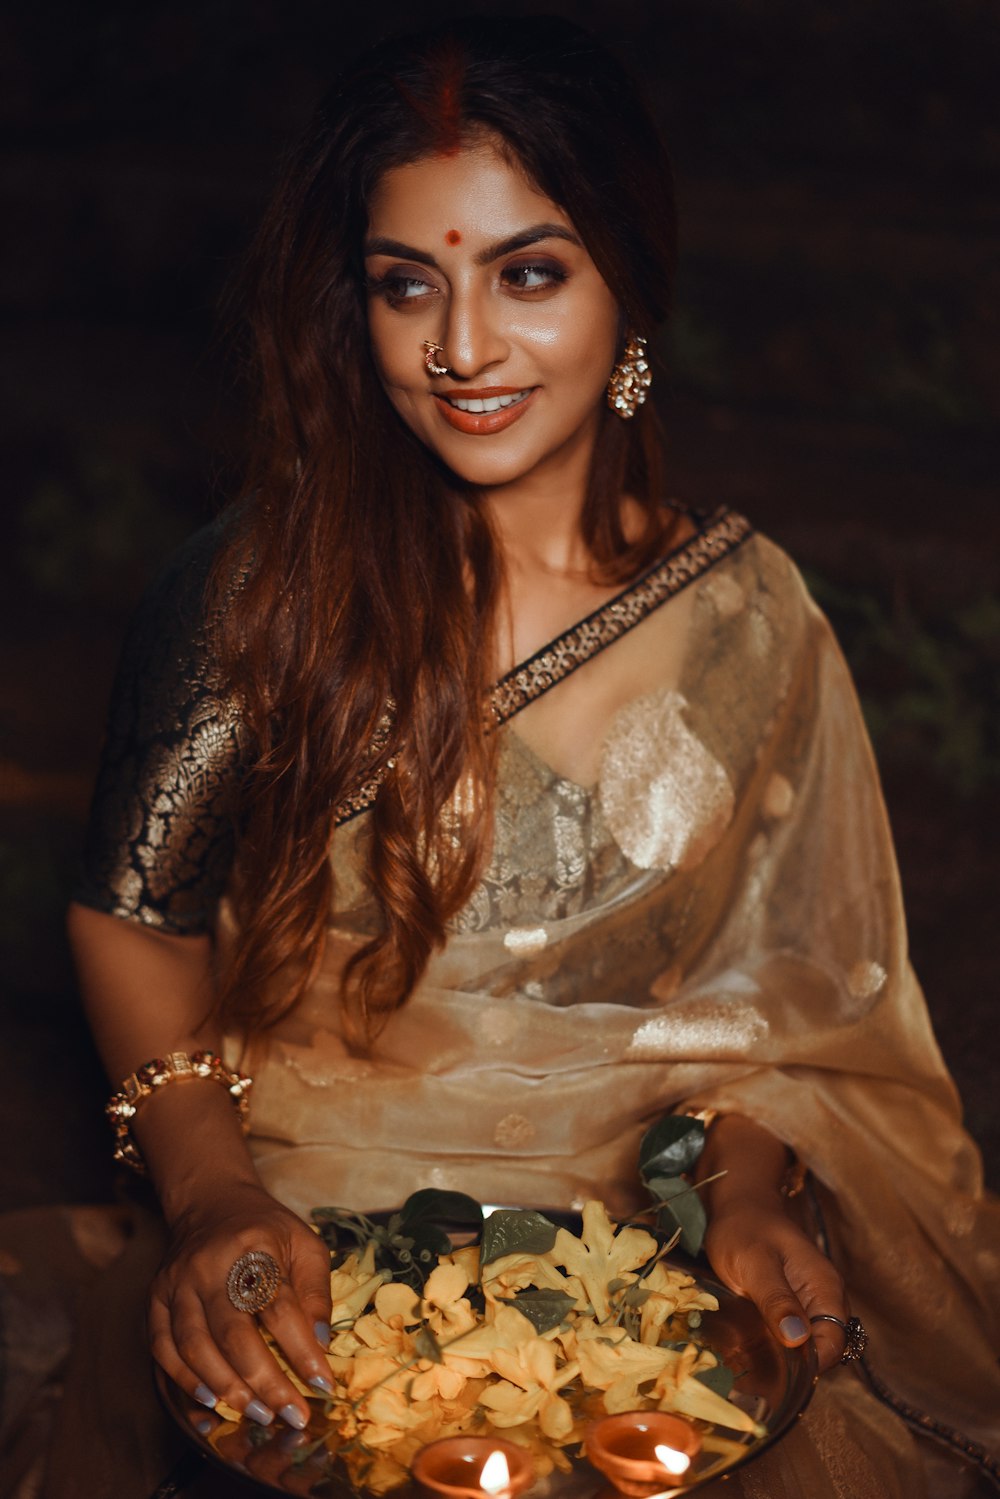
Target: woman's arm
<point>148,993</point>
<point>755,1247</point>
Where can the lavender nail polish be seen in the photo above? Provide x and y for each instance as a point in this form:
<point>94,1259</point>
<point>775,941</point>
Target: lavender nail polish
<point>293,1416</point>
<point>204,1396</point>
<point>259,1412</point>
<point>204,1427</point>
<point>322,1385</point>
<point>792,1328</point>
<point>323,1333</point>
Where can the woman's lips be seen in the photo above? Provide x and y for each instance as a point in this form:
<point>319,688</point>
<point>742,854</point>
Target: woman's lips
<point>483,423</point>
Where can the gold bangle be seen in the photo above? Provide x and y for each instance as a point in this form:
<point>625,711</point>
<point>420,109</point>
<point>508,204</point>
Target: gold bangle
<point>177,1066</point>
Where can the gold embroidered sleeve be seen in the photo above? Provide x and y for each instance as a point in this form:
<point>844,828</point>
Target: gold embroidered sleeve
<point>161,835</point>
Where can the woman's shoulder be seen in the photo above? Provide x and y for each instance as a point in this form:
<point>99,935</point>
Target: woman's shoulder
<point>769,581</point>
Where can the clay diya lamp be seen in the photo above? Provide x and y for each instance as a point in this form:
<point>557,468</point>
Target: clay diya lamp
<point>643,1452</point>
<point>474,1468</point>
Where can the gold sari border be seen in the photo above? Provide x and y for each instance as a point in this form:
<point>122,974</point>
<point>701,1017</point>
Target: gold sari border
<point>722,532</point>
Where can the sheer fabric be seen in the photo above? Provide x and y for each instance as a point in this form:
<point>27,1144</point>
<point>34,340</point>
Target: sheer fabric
<point>691,899</point>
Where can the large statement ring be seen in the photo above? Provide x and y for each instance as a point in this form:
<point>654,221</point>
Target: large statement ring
<point>253,1282</point>
<point>854,1333</point>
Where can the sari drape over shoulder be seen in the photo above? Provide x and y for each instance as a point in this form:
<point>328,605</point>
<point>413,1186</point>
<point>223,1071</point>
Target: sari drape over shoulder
<point>691,900</point>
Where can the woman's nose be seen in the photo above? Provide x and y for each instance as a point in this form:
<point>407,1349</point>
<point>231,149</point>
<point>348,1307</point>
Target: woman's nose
<point>474,337</point>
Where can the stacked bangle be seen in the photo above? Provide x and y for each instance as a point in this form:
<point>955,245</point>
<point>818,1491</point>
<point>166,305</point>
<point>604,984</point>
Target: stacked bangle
<point>177,1066</point>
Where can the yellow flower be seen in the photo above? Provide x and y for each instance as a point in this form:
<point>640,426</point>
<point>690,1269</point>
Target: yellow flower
<point>444,1305</point>
<point>671,1294</point>
<point>511,1273</point>
<point>353,1285</point>
<point>599,1256</point>
<point>530,1380</point>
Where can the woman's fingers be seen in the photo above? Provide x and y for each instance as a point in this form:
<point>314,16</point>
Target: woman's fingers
<point>216,1353</point>
<point>765,1282</point>
<point>765,1257</point>
<point>299,1316</point>
<point>294,1330</point>
<point>201,1370</point>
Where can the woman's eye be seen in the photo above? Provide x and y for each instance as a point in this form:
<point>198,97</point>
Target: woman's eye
<point>533,276</point>
<point>397,288</point>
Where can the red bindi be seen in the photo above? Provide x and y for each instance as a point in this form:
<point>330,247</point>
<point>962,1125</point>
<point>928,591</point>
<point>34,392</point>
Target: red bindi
<point>453,237</point>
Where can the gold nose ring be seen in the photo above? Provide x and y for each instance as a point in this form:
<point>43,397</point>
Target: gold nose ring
<point>430,349</point>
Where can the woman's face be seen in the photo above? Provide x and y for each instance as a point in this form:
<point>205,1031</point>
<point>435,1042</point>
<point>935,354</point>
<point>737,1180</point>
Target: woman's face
<point>463,250</point>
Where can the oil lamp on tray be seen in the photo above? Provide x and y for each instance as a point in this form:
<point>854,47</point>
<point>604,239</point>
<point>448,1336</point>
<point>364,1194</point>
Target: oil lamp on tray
<point>474,1468</point>
<point>643,1452</point>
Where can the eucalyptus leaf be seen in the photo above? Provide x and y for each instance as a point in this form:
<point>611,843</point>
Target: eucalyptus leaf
<point>720,1380</point>
<point>443,1210</point>
<point>428,1242</point>
<point>427,1345</point>
<point>670,1146</point>
<point>543,1309</point>
<point>681,1208</point>
<point>516,1231</point>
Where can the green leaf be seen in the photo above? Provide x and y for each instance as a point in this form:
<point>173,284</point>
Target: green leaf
<point>720,1380</point>
<point>444,1210</point>
<point>637,1295</point>
<point>543,1309</point>
<point>516,1231</point>
<point>427,1345</point>
<point>682,1208</point>
<point>670,1146</point>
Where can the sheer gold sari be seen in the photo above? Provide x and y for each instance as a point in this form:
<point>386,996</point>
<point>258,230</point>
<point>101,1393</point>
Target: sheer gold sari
<point>692,899</point>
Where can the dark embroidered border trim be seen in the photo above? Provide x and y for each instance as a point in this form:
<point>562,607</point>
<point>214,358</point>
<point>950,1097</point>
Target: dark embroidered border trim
<point>920,1421</point>
<point>925,1425</point>
<point>722,533</point>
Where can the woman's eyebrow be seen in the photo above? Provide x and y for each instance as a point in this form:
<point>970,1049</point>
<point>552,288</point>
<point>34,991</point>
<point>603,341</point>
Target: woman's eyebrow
<point>379,245</point>
<point>525,237</point>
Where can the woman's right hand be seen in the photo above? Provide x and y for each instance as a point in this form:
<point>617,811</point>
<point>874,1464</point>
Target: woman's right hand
<point>211,1350</point>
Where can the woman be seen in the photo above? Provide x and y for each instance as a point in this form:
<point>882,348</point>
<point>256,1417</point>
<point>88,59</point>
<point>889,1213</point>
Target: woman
<point>484,806</point>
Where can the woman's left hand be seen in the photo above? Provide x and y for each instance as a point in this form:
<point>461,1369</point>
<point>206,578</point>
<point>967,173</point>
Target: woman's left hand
<point>757,1251</point>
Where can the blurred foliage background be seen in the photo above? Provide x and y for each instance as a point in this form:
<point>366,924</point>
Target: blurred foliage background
<point>832,370</point>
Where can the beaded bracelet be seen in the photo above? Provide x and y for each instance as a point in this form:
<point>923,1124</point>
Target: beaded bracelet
<point>177,1066</point>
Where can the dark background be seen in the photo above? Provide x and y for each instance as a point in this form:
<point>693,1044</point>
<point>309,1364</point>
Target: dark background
<point>834,364</point>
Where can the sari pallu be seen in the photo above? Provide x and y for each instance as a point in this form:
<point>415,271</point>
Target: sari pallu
<point>706,913</point>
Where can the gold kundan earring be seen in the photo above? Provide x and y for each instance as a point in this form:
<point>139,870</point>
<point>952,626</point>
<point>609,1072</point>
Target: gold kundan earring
<point>630,379</point>
<point>431,349</point>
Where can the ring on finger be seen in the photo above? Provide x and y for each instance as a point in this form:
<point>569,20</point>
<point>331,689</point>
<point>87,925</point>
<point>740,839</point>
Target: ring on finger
<point>856,1337</point>
<point>253,1281</point>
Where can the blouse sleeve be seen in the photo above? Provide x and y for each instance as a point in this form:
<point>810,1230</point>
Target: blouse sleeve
<point>160,839</point>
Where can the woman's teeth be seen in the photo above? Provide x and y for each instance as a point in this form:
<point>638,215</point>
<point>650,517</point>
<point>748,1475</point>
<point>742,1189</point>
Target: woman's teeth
<point>487,403</point>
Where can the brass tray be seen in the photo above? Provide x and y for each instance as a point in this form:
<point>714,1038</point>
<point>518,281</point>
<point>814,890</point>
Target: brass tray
<point>774,1385</point>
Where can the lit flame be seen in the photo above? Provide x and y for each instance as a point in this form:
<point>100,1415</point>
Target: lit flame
<point>675,1462</point>
<point>495,1476</point>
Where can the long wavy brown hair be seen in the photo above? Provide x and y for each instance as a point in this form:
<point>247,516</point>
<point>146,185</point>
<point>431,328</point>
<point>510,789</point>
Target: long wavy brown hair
<point>359,636</point>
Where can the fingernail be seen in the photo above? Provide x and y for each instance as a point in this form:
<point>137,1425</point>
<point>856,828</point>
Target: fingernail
<point>204,1396</point>
<point>204,1427</point>
<point>293,1416</point>
<point>319,1383</point>
<point>792,1328</point>
<point>323,1334</point>
<point>259,1412</point>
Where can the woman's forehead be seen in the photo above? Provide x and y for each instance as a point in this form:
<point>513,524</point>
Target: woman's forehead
<point>475,194</point>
